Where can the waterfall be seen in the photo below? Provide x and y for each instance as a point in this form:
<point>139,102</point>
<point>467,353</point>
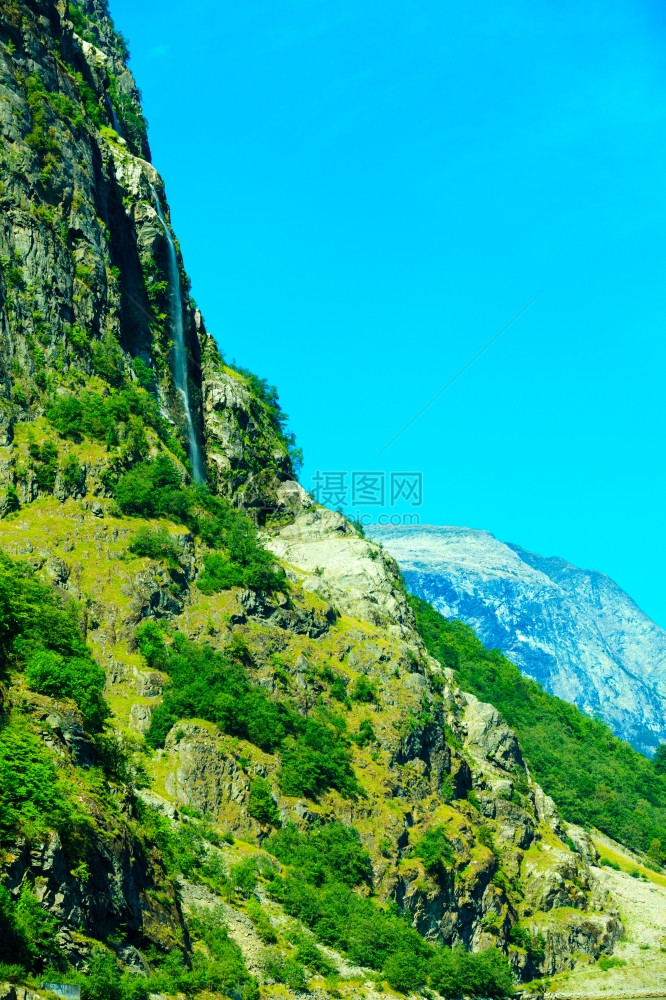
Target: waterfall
<point>179,369</point>
<point>117,128</point>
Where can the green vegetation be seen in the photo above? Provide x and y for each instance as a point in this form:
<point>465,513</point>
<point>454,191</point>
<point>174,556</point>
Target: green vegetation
<point>595,778</point>
<point>268,395</point>
<point>41,138</point>
<point>364,690</point>
<point>533,944</point>
<point>323,853</point>
<point>284,970</point>
<point>261,806</point>
<point>262,924</point>
<point>155,488</point>
<point>40,638</point>
<point>130,115</point>
<point>155,543</point>
<point>435,851</point>
<point>40,635</point>
<point>365,735</point>
<point>26,930</point>
<point>88,27</point>
<point>610,962</point>
<point>105,418</point>
<point>33,796</point>
<point>206,684</point>
<point>325,867</point>
<point>215,964</point>
<point>76,677</point>
<point>28,942</point>
<point>44,464</point>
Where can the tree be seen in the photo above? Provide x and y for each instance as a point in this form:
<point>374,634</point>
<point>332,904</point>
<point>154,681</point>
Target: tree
<point>655,852</point>
<point>659,759</point>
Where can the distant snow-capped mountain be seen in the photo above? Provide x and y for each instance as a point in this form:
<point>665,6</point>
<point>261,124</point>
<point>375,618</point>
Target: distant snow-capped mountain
<point>573,630</point>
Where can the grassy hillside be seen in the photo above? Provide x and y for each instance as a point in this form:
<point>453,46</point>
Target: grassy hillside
<point>43,652</point>
<point>595,778</point>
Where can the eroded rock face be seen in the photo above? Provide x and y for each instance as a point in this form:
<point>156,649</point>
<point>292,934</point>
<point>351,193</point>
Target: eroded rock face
<point>350,572</point>
<point>206,775</point>
<point>247,454</point>
<point>119,888</point>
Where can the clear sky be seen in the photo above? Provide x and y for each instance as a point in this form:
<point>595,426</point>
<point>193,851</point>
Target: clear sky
<point>367,192</point>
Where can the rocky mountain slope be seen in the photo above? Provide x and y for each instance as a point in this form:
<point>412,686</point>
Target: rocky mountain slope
<point>228,764</point>
<point>575,631</point>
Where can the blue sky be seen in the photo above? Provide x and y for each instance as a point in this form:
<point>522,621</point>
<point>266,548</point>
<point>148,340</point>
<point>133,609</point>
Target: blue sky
<point>366,193</point>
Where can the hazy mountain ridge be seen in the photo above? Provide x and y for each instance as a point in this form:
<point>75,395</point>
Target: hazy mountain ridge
<point>575,631</point>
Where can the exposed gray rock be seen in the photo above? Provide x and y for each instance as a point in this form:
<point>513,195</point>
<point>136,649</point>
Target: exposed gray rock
<point>573,630</point>
<point>583,843</point>
<point>489,736</point>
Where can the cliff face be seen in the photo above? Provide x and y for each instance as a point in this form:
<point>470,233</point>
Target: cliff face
<point>91,393</point>
<point>575,631</point>
<point>86,291</point>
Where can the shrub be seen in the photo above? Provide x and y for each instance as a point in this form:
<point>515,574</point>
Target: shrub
<point>315,760</point>
<point>330,853</point>
<point>12,503</point>
<point>72,473</point>
<point>155,544</point>
<point>610,962</point>
<point>35,928</point>
<point>46,467</point>
<point>219,574</point>
<point>284,970</point>
<point>533,944</point>
<point>455,973</point>
<point>435,851</point>
<point>42,635</point>
<point>261,805</point>
<point>104,418</point>
<point>153,489</point>
<point>14,277</point>
<point>365,735</point>
<point>108,360</point>
<point>404,971</point>
<point>66,416</point>
<point>79,678</point>
<point>312,957</point>
<point>364,690</point>
<point>262,924</point>
<point>485,837</point>
<point>145,376</point>
<point>245,562</point>
<point>325,864</point>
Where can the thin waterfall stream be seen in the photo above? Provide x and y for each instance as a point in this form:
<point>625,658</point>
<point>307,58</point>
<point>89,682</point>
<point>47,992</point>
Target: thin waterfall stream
<point>179,369</point>
<point>117,127</point>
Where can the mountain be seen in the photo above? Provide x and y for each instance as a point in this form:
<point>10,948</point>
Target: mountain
<point>573,630</point>
<point>229,764</point>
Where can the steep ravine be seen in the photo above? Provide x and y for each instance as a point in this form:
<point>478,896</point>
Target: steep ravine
<point>87,396</point>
